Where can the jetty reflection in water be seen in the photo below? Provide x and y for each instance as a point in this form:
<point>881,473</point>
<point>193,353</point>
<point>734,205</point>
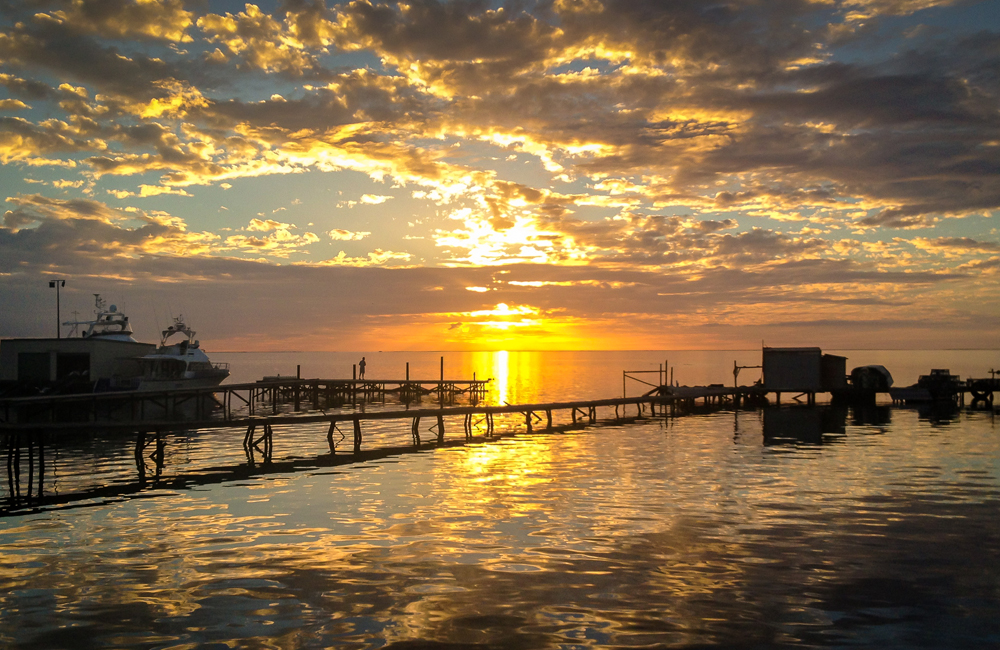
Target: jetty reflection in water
<point>688,531</point>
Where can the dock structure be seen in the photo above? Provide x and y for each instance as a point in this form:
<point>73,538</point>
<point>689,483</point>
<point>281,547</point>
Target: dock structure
<point>28,440</point>
<point>229,401</point>
<point>259,422</point>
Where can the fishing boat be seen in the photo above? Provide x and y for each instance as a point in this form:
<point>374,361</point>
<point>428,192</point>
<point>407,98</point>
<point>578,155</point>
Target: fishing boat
<point>180,365</point>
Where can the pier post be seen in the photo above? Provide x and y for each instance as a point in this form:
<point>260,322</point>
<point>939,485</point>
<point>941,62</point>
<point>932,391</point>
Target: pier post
<point>268,442</point>
<point>41,462</point>
<point>440,427</point>
<point>17,463</point>
<point>140,462</point>
<point>357,435</point>
<point>548,419</point>
<point>140,444</point>
<point>415,431</point>
<point>159,454</point>
<point>329,437</point>
<point>31,464</point>
<point>527,421</point>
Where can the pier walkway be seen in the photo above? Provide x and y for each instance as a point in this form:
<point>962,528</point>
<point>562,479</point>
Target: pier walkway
<point>580,411</point>
<point>228,401</point>
<point>29,440</point>
<point>345,430</point>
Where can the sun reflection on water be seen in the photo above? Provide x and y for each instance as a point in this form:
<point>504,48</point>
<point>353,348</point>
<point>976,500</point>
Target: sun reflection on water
<point>682,531</point>
<point>501,374</point>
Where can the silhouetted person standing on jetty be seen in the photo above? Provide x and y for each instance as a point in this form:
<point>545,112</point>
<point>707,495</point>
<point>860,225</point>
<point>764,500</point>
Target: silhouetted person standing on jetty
<point>361,368</point>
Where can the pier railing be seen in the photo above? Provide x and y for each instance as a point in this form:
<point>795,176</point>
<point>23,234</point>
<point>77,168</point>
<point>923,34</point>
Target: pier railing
<point>229,401</point>
<point>29,440</point>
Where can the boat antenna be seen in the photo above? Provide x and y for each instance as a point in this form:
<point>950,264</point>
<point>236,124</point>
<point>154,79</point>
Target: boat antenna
<point>76,324</point>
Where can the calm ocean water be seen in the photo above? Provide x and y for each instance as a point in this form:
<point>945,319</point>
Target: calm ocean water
<point>783,527</point>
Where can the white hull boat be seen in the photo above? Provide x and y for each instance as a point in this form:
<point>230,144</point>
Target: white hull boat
<point>180,365</point>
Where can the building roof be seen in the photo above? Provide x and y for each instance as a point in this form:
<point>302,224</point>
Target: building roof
<point>792,350</point>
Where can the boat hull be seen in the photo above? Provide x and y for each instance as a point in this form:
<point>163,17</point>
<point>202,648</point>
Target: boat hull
<point>180,383</point>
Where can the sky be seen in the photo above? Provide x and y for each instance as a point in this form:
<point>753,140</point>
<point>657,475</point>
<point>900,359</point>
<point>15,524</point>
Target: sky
<point>481,175</point>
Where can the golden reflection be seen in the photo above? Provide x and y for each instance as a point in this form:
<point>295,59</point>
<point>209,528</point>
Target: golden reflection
<point>510,471</point>
<point>500,372</point>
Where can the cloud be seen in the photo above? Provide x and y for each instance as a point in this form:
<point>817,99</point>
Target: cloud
<point>267,225</point>
<point>956,245</point>
<point>339,234</point>
<point>377,257</point>
<point>23,141</point>
<point>260,40</point>
<point>647,156</point>
<point>149,190</point>
<point>121,19</point>
<point>48,43</point>
<point>85,231</point>
<point>280,243</point>
<point>12,105</point>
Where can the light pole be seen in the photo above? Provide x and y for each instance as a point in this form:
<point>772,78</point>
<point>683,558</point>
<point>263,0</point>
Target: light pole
<point>57,284</point>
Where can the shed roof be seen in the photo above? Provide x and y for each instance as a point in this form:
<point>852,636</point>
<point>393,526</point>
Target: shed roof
<point>792,350</point>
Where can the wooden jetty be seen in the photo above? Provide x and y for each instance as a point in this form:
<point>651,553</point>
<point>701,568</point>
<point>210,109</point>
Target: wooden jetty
<point>259,423</point>
<point>29,439</point>
<point>232,400</point>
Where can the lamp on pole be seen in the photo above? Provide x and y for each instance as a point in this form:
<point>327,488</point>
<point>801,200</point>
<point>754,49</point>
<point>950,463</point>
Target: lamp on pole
<point>57,284</point>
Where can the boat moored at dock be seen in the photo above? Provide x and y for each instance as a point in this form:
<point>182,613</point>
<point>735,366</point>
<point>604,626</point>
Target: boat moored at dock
<point>180,365</point>
<point>105,357</point>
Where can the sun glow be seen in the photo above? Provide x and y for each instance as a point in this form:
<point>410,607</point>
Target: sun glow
<point>500,371</point>
<point>503,310</point>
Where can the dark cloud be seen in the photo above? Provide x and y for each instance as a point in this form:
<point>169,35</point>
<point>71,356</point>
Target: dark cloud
<point>355,97</point>
<point>26,88</point>
<point>458,31</point>
<point>732,38</point>
<point>53,47</point>
<point>967,244</point>
<point>160,20</point>
<point>774,128</point>
<point>766,244</point>
<point>24,139</point>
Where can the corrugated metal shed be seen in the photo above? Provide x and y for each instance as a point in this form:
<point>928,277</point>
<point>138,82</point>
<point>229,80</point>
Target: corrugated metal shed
<point>793,370</point>
<point>834,373</point>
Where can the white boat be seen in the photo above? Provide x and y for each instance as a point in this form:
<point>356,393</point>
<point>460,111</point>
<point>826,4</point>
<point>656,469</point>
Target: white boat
<point>180,365</point>
<point>108,325</point>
